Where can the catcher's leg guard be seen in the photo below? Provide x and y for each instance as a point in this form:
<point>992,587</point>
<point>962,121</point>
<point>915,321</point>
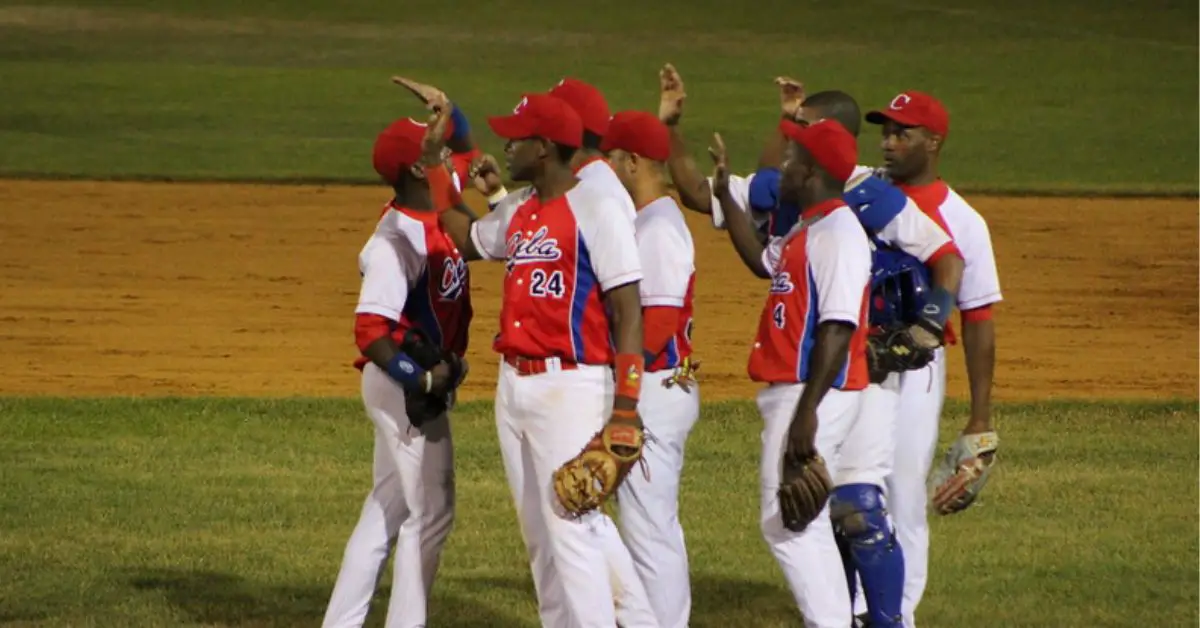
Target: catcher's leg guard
<point>861,525</point>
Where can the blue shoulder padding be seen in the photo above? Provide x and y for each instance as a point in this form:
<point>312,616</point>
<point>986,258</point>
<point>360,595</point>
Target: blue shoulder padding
<point>876,202</point>
<point>764,190</point>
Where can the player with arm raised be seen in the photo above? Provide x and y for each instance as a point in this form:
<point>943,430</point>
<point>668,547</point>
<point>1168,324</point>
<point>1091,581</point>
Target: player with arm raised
<point>411,326</point>
<point>570,320</point>
<point>915,126</point>
<point>810,352</point>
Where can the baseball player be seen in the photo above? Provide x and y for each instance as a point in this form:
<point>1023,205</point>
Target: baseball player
<point>411,323</point>
<point>593,170</point>
<point>637,144</point>
<point>571,317</point>
<point>898,230</point>
<point>460,150</point>
<point>810,352</point>
<point>915,126</point>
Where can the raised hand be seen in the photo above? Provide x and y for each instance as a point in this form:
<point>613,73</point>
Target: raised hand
<point>430,96</point>
<point>720,179</point>
<point>670,95</point>
<point>791,96</point>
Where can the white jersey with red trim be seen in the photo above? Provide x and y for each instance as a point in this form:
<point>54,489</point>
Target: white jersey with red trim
<point>414,275</point>
<point>599,172</point>
<point>560,255</point>
<point>668,258</point>
<point>820,271</point>
<point>980,282</point>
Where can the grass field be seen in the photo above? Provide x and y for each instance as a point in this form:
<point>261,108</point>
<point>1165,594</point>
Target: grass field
<point>233,512</point>
<point>212,511</point>
<point>1065,96</point>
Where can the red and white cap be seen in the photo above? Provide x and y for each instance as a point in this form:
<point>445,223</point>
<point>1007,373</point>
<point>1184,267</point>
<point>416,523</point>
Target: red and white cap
<point>913,108</point>
<point>831,145</point>
<point>639,133</point>
<point>399,146</point>
<point>540,115</point>
<point>587,101</point>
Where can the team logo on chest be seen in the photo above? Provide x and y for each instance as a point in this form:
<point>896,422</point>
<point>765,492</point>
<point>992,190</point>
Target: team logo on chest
<point>533,249</point>
<point>454,279</point>
<point>781,283</point>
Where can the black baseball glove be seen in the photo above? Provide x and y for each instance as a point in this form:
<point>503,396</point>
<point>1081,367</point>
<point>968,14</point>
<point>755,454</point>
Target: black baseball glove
<point>895,349</point>
<point>421,405</point>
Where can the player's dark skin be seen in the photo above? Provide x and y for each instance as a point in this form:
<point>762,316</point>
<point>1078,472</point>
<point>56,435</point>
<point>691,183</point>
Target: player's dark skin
<point>546,166</point>
<point>910,155</point>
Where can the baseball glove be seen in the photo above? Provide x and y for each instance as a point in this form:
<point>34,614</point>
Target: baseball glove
<point>803,490</point>
<point>963,472</point>
<point>585,482</point>
<point>898,348</point>
<point>421,406</point>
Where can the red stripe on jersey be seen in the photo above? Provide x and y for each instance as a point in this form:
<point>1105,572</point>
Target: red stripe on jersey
<point>552,305</point>
<point>461,162</point>
<point>679,345</point>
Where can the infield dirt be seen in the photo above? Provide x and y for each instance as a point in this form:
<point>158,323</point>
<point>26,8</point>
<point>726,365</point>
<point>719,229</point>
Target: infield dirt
<point>217,289</point>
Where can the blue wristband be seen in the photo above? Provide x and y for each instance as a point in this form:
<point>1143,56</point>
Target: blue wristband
<point>876,202</point>
<point>938,305</point>
<point>461,127</point>
<point>406,372</point>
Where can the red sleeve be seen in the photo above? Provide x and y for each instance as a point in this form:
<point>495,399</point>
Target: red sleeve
<point>977,315</point>
<point>659,324</point>
<point>370,327</point>
<point>441,188</point>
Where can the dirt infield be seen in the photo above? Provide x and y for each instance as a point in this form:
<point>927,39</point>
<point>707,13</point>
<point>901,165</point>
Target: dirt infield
<point>180,289</point>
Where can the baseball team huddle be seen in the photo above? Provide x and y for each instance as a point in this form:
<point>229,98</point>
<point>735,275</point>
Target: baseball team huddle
<point>598,386</point>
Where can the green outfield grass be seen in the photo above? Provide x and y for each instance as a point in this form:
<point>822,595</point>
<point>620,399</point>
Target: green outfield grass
<point>1067,96</point>
<point>234,512</point>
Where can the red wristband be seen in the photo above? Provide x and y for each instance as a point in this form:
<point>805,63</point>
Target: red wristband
<point>629,368</point>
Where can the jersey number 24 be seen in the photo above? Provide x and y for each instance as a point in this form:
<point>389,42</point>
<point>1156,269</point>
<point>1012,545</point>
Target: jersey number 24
<point>543,285</point>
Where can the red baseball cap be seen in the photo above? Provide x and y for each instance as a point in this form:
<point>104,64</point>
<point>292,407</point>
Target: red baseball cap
<point>399,146</point>
<point>639,133</point>
<point>587,101</point>
<point>830,144</point>
<point>914,109</point>
<point>540,115</point>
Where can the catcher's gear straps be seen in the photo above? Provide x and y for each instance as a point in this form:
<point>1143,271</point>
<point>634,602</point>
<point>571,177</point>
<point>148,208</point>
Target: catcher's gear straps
<point>864,532</point>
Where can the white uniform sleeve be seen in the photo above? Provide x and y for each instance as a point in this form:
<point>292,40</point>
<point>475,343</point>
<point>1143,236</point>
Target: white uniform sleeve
<point>488,233</point>
<point>391,260</point>
<point>840,259</point>
<point>609,238</point>
<point>981,281</point>
<point>771,254</point>
<point>668,262</point>
<point>739,189</point>
<point>914,232</point>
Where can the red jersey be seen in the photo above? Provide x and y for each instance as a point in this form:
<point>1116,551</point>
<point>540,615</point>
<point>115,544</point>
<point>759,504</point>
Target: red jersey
<point>668,258</point>
<point>820,271</point>
<point>414,275</point>
<point>560,257</point>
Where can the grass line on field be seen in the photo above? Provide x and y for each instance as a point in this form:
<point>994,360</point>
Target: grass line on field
<point>1164,191</point>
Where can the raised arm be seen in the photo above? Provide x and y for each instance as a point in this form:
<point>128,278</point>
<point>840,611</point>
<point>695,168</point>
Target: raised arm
<point>791,96</point>
<point>693,189</point>
<point>741,229</point>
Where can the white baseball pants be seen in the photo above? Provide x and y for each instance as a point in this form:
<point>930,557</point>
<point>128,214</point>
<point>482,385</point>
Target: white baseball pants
<point>649,508</point>
<point>542,421</point>
<point>410,505</point>
<point>810,560</point>
<point>922,393</point>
